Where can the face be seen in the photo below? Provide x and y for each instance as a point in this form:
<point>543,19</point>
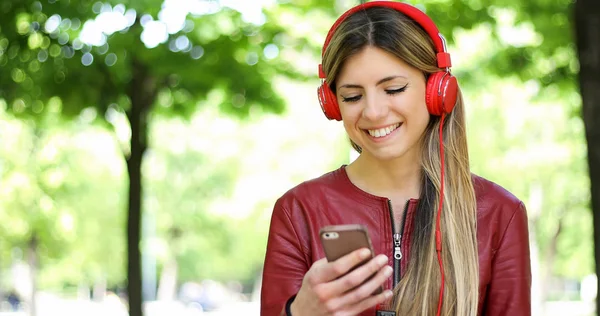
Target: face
<point>382,102</point>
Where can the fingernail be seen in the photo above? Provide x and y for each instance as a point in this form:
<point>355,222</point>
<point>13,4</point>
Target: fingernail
<point>388,294</point>
<point>388,271</point>
<point>382,259</point>
<point>365,253</point>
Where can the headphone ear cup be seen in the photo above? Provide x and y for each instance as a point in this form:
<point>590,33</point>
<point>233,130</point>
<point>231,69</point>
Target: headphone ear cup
<point>328,102</point>
<point>441,93</point>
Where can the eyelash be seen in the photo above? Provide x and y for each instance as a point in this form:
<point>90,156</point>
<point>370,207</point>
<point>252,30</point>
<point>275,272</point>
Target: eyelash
<point>390,92</point>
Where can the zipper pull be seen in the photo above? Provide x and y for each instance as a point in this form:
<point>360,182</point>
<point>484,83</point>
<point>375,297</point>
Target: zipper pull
<point>397,250</point>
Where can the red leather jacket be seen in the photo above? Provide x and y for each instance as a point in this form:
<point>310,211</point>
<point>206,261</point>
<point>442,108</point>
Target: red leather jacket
<point>293,243</point>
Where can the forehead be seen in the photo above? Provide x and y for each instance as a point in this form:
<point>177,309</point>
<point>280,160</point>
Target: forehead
<point>373,63</point>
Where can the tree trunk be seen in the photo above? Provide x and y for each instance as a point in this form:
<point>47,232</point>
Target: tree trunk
<point>142,92</point>
<point>551,251</point>
<point>587,30</point>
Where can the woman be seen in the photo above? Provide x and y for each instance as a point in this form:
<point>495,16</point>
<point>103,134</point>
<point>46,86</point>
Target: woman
<point>463,239</point>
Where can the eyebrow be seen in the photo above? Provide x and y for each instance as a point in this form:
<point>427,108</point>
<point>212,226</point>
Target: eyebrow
<point>386,79</point>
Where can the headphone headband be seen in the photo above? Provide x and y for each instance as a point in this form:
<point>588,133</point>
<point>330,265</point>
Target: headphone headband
<point>443,58</point>
<point>441,88</point>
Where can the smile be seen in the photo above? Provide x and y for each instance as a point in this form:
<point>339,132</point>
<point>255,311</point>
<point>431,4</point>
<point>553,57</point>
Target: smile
<point>382,132</point>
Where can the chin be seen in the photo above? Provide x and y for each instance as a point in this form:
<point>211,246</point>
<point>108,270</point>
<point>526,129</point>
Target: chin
<point>386,154</point>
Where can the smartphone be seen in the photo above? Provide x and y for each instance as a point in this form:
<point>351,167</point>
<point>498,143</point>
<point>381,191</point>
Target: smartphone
<point>340,240</point>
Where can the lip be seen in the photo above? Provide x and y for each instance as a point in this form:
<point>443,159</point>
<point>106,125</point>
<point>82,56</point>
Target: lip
<point>384,138</point>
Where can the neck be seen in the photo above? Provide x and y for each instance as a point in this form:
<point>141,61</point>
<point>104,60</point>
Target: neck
<point>398,179</point>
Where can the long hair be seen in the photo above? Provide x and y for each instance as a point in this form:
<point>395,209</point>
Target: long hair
<point>418,291</point>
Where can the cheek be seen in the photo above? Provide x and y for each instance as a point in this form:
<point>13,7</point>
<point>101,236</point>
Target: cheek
<point>417,118</point>
<point>421,121</point>
<point>418,113</point>
<point>351,131</point>
<point>349,126</point>
<point>424,115</point>
<point>350,112</point>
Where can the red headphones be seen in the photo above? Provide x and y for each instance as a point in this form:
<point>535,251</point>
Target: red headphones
<point>441,86</point>
<point>440,95</point>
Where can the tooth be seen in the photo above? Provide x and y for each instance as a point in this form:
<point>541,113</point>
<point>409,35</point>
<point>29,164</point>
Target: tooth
<point>377,133</point>
<point>388,130</point>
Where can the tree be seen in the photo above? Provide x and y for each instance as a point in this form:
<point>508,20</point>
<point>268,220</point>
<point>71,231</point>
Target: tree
<point>587,24</point>
<point>211,54</point>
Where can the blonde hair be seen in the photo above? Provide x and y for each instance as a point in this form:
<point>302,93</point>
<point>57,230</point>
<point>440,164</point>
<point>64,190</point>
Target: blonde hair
<point>418,290</point>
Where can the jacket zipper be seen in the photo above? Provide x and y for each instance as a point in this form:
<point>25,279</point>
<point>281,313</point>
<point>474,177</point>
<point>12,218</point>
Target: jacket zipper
<point>397,242</point>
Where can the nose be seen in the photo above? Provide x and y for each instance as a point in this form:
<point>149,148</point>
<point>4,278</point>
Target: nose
<point>375,108</point>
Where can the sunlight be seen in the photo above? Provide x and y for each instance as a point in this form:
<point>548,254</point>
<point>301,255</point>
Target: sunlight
<point>171,19</point>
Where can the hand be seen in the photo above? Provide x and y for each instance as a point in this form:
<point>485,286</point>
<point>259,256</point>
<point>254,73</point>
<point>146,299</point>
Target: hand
<point>328,288</point>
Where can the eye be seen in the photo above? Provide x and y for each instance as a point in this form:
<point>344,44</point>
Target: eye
<point>351,99</point>
<point>394,91</point>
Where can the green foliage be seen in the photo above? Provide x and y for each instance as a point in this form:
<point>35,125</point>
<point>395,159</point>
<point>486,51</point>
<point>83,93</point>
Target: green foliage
<point>535,38</point>
<point>46,69</point>
<point>47,193</point>
<point>215,51</point>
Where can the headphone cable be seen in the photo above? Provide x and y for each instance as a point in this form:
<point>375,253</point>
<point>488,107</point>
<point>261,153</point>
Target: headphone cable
<point>438,232</point>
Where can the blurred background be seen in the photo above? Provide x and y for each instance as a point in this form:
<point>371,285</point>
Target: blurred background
<point>176,124</point>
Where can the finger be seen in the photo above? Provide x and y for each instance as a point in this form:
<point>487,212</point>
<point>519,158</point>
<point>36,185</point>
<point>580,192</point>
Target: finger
<point>357,277</point>
<point>335,269</point>
<point>364,291</point>
<point>369,302</point>
<point>317,273</point>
